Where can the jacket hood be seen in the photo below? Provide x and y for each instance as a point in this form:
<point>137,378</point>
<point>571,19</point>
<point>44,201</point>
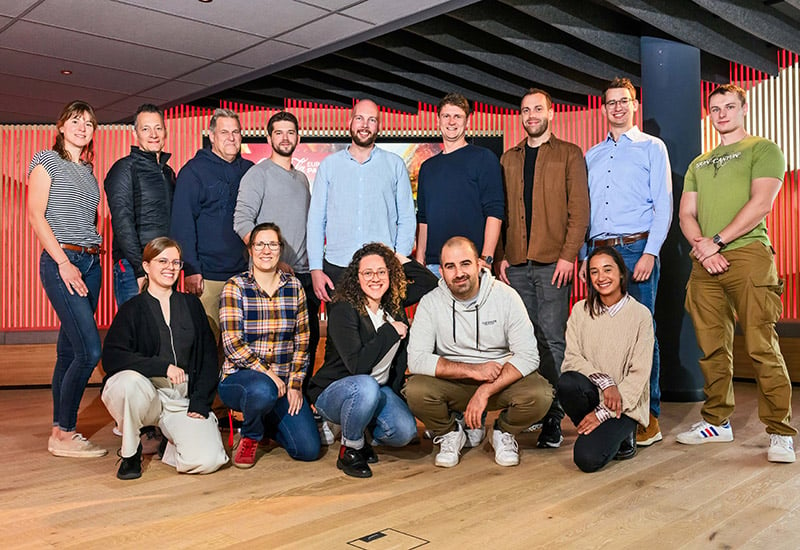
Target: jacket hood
<point>458,308</point>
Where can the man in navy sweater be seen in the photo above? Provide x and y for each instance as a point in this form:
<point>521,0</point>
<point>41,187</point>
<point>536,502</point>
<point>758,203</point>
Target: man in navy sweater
<point>202,214</point>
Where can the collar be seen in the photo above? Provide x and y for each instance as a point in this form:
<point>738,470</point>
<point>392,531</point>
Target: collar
<point>613,310</point>
<point>550,141</point>
<point>634,134</point>
<point>369,158</point>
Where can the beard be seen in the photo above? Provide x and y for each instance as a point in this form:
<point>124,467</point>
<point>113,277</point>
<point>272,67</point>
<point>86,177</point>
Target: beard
<point>363,142</point>
<point>540,132</point>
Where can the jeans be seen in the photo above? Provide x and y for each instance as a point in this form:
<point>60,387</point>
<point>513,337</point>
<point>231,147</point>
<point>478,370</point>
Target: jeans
<point>594,450</point>
<point>645,293</point>
<point>312,304</point>
<point>256,396</point>
<point>358,402</point>
<point>548,310</point>
<point>125,284</point>
<point>78,347</point>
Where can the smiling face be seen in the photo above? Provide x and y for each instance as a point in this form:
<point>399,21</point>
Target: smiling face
<point>150,132</point>
<point>226,139</point>
<point>536,115</point>
<point>284,138</point>
<point>619,108</point>
<point>365,123</point>
<point>727,112</point>
<point>460,270</point>
<point>606,278</point>
<point>78,130</point>
<point>265,250</point>
<point>373,276</point>
<point>163,270</point>
<point>453,124</point>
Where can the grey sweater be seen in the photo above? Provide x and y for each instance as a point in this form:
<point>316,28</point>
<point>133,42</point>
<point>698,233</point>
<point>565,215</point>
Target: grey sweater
<point>269,193</point>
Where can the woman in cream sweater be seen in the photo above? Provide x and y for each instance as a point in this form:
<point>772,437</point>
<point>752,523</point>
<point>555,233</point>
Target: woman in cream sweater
<point>604,386</point>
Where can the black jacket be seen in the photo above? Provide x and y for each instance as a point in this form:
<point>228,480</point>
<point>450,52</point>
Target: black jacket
<point>133,343</point>
<point>353,346</point>
<point>139,190</point>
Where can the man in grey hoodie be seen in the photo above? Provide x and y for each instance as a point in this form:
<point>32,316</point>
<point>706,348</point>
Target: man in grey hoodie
<point>472,349</point>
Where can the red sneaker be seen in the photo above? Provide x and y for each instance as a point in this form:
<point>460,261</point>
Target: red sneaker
<point>246,453</point>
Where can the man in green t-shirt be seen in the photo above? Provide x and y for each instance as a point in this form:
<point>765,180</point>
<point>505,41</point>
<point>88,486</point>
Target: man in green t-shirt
<point>727,195</point>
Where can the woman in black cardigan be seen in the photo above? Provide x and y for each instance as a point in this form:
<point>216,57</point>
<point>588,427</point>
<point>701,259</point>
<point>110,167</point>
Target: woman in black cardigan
<point>161,367</point>
<point>358,385</point>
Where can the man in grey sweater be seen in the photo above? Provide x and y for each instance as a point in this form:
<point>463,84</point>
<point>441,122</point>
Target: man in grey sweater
<point>472,349</point>
<point>274,191</point>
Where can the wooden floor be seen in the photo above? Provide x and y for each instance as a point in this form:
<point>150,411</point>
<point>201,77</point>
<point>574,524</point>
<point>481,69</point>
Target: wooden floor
<point>668,496</point>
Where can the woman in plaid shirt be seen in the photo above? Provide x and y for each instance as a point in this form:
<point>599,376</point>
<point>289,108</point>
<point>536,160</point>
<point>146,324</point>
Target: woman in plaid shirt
<point>265,335</point>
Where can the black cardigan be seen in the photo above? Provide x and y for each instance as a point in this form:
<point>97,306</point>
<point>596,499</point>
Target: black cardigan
<point>353,346</point>
<point>133,343</point>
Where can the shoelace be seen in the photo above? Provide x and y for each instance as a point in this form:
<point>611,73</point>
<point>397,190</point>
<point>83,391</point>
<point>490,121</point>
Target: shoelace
<point>778,441</point>
<point>449,442</point>
<point>507,440</point>
<point>248,447</point>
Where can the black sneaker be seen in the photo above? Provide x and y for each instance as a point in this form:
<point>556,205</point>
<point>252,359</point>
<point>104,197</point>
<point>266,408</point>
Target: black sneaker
<point>369,454</point>
<point>131,467</point>
<point>352,462</point>
<point>551,437</point>
<point>627,448</point>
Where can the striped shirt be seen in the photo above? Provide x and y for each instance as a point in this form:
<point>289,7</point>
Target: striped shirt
<point>263,332</point>
<point>72,203</point>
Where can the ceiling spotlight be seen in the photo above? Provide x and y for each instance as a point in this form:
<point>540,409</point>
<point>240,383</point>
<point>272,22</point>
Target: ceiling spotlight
<point>205,1</point>
<point>66,72</point>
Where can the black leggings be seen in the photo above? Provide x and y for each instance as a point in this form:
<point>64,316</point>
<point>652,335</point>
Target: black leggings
<point>579,396</point>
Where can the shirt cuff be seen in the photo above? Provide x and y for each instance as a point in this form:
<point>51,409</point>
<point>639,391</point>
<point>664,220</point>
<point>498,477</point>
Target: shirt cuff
<point>602,380</point>
<point>602,413</point>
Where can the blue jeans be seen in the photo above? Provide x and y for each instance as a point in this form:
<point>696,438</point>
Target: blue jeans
<point>125,285</point>
<point>548,310</point>
<point>256,396</point>
<point>645,293</point>
<point>78,347</point>
<point>358,402</point>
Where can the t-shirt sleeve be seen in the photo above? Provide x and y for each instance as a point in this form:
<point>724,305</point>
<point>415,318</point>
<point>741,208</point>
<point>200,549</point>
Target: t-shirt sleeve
<point>768,161</point>
<point>46,158</point>
<point>689,183</point>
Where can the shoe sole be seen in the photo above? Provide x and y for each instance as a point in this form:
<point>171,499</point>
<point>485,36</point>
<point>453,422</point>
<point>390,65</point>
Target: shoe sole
<point>445,465</point>
<point>647,442</point>
<point>506,464</point>
<point>244,465</point>
<point>782,459</point>
<point>354,474</point>
<point>549,444</point>
<point>78,454</point>
<point>703,441</point>
<point>129,476</point>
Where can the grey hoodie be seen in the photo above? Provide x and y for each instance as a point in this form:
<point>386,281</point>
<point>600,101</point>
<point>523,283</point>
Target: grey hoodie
<point>495,327</point>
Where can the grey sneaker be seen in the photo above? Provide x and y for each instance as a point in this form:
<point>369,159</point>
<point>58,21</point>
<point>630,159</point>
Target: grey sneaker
<point>451,444</point>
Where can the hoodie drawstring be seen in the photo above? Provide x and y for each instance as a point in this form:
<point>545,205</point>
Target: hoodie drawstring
<point>477,325</point>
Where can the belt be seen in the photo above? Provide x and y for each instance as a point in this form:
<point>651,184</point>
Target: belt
<point>625,239</point>
<point>84,249</point>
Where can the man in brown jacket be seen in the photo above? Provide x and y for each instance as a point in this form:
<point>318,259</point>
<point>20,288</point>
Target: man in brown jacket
<point>547,213</point>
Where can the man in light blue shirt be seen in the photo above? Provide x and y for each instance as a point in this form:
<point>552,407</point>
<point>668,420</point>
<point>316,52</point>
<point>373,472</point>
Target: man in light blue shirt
<point>360,195</point>
<point>630,197</point>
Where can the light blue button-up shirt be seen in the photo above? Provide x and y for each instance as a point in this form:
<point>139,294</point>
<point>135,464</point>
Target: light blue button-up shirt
<point>353,204</point>
<point>630,189</point>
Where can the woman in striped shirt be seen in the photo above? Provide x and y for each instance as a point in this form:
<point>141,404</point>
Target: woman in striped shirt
<point>62,209</point>
<point>265,335</point>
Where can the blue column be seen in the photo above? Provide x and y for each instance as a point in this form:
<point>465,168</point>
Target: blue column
<point>672,111</point>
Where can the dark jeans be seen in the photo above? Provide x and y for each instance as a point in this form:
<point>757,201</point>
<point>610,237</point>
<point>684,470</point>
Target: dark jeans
<point>645,293</point>
<point>256,396</point>
<point>312,303</point>
<point>125,285</point>
<point>548,310</point>
<point>579,397</point>
<point>78,348</point>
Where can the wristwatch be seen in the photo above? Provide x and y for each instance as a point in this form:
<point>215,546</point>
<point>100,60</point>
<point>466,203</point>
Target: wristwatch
<point>488,259</point>
<point>719,242</point>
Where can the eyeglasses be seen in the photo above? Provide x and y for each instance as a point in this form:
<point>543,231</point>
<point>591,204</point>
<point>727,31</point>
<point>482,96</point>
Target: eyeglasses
<point>612,103</point>
<point>273,245</point>
<point>163,262</point>
<point>369,274</point>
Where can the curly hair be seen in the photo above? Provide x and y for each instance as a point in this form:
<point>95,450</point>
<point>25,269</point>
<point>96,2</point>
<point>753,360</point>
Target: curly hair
<point>349,287</point>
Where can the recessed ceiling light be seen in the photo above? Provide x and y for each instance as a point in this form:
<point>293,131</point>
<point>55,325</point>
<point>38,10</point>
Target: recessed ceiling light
<point>66,72</point>
<point>205,1</point>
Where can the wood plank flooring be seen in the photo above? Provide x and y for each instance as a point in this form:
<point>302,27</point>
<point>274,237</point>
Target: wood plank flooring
<point>717,496</point>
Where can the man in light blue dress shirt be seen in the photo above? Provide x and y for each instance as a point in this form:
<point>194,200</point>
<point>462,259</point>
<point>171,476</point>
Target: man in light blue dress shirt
<point>361,194</point>
<point>630,196</point>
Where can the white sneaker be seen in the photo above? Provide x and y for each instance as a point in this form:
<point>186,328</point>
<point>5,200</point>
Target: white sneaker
<point>781,448</point>
<point>703,432</point>
<point>451,445</point>
<point>474,437</point>
<point>506,449</point>
<point>327,432</point>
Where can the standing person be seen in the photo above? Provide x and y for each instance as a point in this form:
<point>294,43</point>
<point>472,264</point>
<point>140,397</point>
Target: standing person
<point>460,190</point>
<point>161,368</point>
<point>63,195</point>
<point>547,212</point>
<point>265,338</point>
<point>359,384</point>
<point>472,350</point>
<point>139,189</point>
<point>361,194</point>
<point>630,192</point>
<point>202,213</point>
<point>605,384</point>
<point>727,195</point>
<point>274,191</point>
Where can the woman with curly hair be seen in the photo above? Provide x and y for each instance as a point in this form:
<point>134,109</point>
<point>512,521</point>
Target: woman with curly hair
<point>358,385</point>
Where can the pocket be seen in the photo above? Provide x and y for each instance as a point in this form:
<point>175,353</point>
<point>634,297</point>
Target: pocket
<point>766,303</point>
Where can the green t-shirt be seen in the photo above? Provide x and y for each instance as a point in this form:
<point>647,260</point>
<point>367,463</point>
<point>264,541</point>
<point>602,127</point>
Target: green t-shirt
<point>722,177</point>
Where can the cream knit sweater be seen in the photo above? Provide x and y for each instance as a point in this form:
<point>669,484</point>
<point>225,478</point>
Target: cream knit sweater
<point>620,346</point>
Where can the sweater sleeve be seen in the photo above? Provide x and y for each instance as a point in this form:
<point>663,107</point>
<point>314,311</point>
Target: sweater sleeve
<point>119,194</point>
<point>422,358</point>
<point>205,387</point>
<point>420,281</point>
<point>248,202</point>
<point>185,209</point>
<point>122,348</point>
<point>574,355</point>
<point>358,356</point>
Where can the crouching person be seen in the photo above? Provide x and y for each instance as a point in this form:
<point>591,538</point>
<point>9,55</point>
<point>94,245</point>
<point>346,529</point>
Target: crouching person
<point>604,386</point>
<point>161,368</point>
<point>472,349</point>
